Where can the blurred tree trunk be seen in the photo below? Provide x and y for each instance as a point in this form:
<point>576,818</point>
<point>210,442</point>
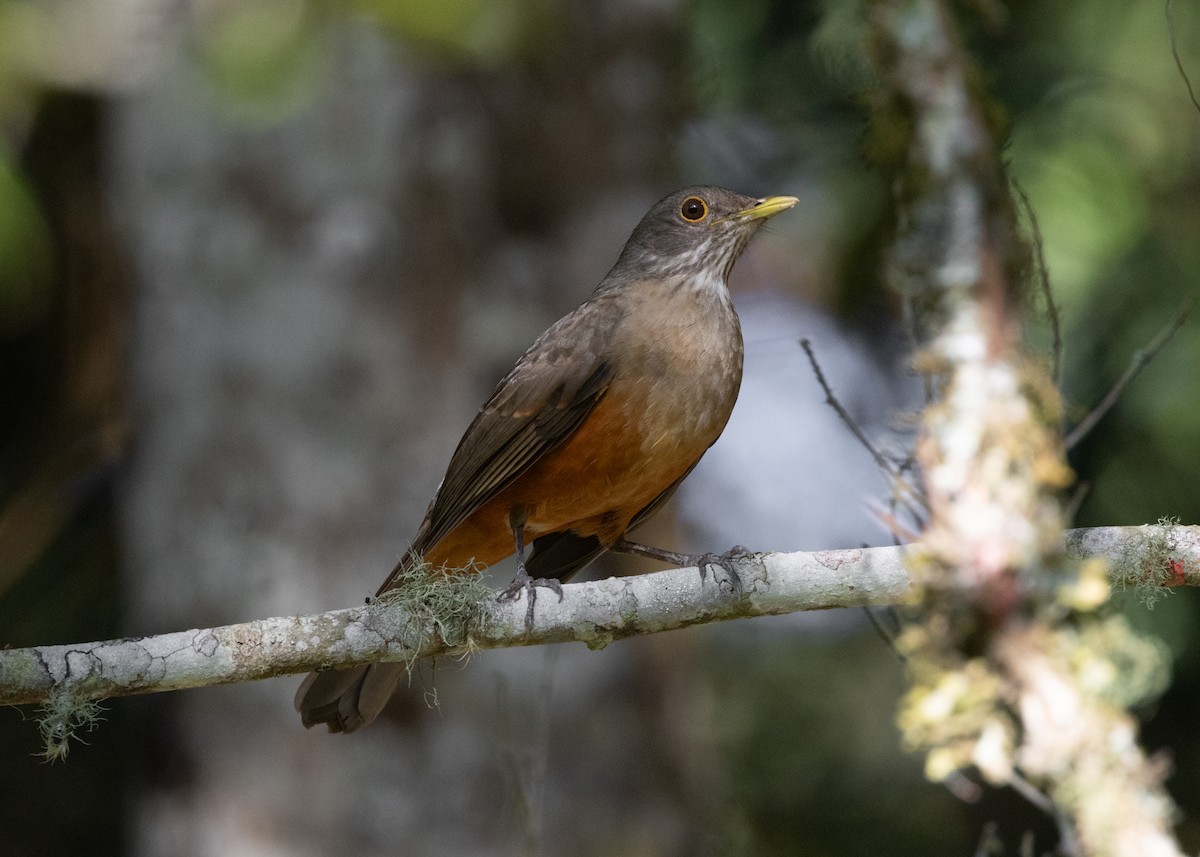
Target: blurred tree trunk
<point>1006,618</point>
<point>314,303</point>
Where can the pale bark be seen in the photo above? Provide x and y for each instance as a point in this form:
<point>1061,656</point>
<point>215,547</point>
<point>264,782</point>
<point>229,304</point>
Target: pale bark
<point>594,613</point>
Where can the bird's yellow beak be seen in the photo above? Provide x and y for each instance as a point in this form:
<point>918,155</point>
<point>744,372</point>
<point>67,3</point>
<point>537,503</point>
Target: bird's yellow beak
<point>762,209</point>
<point>766,207</point>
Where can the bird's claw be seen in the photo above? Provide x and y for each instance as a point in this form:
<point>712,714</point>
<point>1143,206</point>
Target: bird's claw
<point>524,583</point>
<point>724,561</point>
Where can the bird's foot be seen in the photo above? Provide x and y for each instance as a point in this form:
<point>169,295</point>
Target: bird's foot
<point>724,561</point>
<point>702,561</point>
<point>524,583</point>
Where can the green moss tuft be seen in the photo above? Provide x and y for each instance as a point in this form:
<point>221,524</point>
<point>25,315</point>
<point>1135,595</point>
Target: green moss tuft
<point>62,718</point>
<point>1145,564</point>
<point>446,604</point>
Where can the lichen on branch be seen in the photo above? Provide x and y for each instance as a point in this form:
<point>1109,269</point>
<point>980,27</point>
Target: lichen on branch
<point>1014,671</point>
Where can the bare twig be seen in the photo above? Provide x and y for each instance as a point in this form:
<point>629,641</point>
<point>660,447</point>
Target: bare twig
<point>908,494</point>
<point>1075,501</point>
<point>885,634</point>
<point>1039,252</point>
<point>1141,359</point>
<point>844,415</point>
<point>990,844</point>
<point>1175,53</point>
<point>1068,844</point>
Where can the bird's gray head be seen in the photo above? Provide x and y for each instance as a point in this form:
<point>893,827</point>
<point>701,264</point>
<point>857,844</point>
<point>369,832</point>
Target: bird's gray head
<point>696,231</point>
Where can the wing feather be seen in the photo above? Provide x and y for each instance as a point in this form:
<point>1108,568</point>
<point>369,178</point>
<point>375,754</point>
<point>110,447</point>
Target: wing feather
<point>538,405</point>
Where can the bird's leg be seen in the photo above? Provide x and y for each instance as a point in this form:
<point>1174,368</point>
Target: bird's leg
<point>700,561</point>
<point>677,559</point>
<point>523,582</point>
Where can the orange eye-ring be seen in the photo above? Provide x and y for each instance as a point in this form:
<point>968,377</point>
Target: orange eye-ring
<point>694,209</point>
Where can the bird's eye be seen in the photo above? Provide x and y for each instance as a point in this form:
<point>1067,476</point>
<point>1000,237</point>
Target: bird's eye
<point>694,209</point>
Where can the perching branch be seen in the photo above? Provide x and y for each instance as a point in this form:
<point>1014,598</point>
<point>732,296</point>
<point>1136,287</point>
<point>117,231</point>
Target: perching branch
<point>594,613</point>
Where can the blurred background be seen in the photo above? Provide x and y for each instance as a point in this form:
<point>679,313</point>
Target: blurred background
<point>260,262</point>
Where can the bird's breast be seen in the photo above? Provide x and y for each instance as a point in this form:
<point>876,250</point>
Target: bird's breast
<point>678,359</point>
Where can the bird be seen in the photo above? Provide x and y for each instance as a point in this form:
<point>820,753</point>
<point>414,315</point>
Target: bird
<point>592,430</point>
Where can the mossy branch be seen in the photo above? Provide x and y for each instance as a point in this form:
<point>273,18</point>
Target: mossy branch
<point>458,616</point>
<point>1013,676</point>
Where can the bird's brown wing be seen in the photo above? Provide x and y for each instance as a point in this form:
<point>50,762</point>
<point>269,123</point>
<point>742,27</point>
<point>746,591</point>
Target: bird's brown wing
<point>537,406</point>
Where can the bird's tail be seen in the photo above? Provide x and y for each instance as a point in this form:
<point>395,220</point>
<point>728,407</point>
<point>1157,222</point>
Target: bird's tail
<point>349,699</point>
<point>346,700</point>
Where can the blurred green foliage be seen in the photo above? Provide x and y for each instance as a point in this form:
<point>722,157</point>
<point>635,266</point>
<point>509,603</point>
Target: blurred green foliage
<point>794,788</point>
<point>265,59</point>
<point>1098,148</point>
<point>789,62</point>
<point>473,31</point>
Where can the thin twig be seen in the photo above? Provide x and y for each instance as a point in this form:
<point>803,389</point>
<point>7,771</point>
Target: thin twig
<point>989,841</point>
<point>885,634</point>
<point>962,787</point>
<point>832,401</point>
<point>902,534</point>
<point>908,468</point>
<point>1175,53</point>
<point>1068,844</point>
<point>881,460</point>
<point>1141,359</point>
<point>1076,500</point>
<point>1044,281</point>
